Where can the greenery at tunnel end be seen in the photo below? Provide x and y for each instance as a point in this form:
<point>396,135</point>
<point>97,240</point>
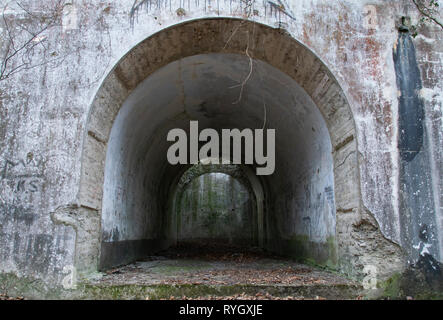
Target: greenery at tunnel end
<point>214,206</point>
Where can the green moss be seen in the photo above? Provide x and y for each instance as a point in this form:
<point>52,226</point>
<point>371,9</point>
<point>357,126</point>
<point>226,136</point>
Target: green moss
<point>14,286</point>
<point>155,292</point>
<point>323,255</point>
<point>297,246</point>
<point>32,288</point>
<point>394,288</point>
<point>429,296</point>
<point>332,249</point>
<point>391,287</point>
<point>163,291</point>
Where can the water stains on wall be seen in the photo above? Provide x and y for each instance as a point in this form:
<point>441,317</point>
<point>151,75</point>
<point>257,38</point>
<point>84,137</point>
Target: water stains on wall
<point>417,216</point>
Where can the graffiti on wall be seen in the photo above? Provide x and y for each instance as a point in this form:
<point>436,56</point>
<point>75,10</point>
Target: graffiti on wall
<point>21,179</point>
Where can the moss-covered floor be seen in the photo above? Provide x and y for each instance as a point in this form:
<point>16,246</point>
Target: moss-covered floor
<point>219,271</point>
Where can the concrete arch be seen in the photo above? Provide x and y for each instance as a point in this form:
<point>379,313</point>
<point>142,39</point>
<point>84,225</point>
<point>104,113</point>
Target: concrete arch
<point>242,174</point>
<point>228,36</point>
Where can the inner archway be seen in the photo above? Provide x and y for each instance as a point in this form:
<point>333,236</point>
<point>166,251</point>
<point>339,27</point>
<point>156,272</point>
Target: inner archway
<point>240,75</point>
<point>215,207</point>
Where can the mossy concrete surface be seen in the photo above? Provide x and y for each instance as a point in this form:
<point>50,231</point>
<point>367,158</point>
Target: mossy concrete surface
<point>34,289</point>
<point>29,288</point>
<point>302,249</point>
<point>194,275</point>
<point>197,290</point>
<point>422,280</point>
<point>202,271</point>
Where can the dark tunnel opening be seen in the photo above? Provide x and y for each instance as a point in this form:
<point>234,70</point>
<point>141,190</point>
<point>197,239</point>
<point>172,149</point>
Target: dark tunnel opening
<point>294,210</point>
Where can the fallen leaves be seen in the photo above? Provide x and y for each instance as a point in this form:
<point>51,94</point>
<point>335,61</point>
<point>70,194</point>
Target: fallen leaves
<point>244,296</point>
<point>254,276</point>
<point>4,296</point>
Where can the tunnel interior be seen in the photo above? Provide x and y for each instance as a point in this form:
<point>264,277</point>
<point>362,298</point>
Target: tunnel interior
<point>292,211</point>
<point>214,207</point>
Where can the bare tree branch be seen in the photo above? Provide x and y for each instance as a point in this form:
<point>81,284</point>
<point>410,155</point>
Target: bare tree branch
<point>23,33</point>
<point>428,10</point>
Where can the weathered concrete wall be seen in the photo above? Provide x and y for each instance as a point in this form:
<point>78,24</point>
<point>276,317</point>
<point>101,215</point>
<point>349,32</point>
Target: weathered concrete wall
<point>44,116</point>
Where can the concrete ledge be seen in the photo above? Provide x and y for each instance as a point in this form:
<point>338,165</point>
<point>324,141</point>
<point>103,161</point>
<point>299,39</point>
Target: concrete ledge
<point>155,292</point>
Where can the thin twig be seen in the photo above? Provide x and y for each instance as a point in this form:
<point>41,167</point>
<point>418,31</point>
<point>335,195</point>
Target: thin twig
<point>26,50</point>
<point>428,15</point>
<point>247,77</point>
<point>249,9</point>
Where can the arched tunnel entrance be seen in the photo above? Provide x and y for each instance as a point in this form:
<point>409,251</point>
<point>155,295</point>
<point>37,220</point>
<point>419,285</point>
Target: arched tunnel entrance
<point>300,212</point>
<point>225,74</point>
